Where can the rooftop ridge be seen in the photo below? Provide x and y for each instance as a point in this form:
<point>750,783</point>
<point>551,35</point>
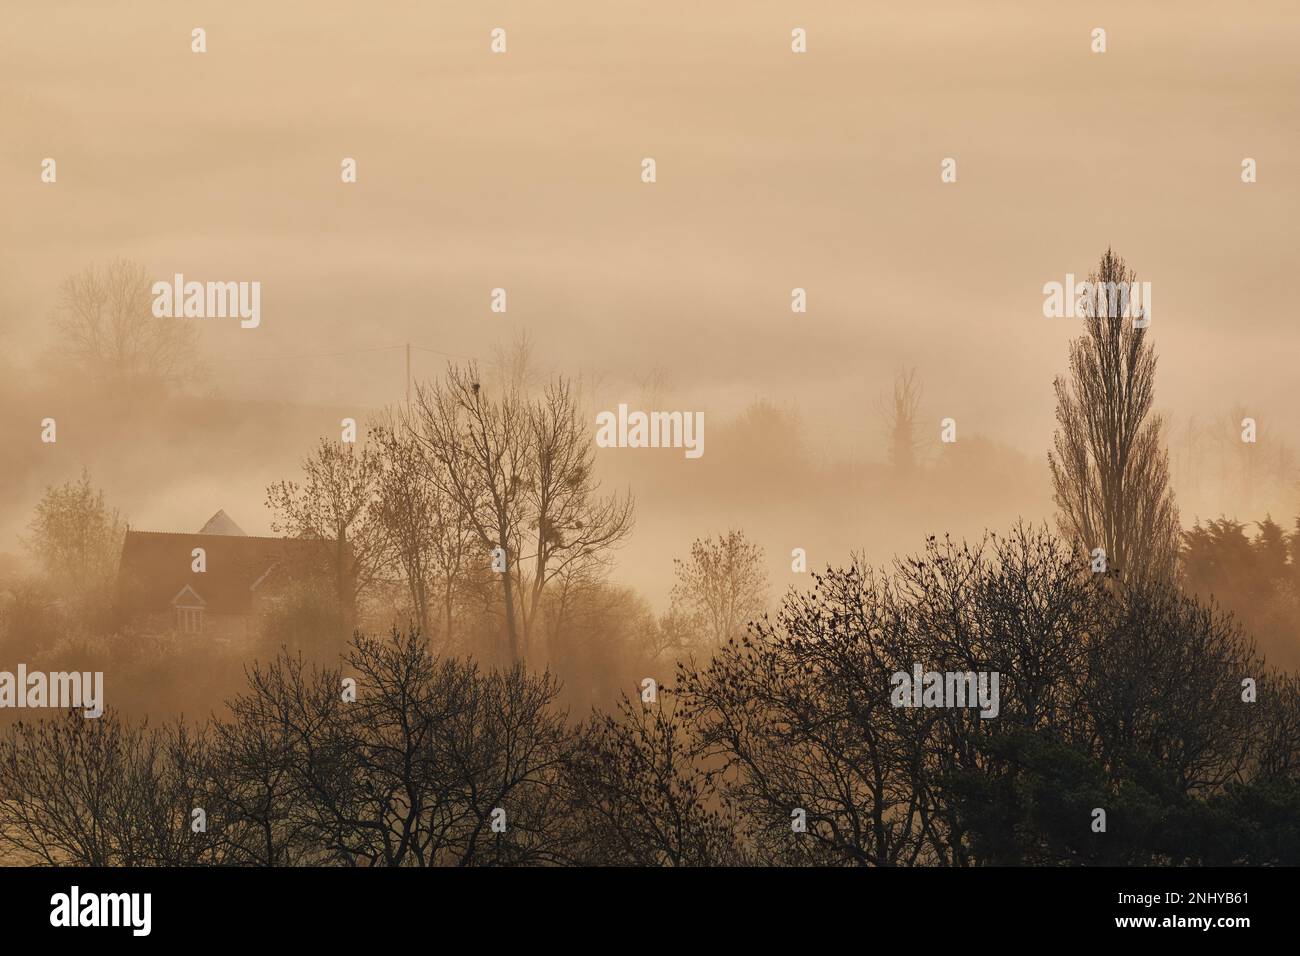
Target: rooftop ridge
<point>244,537</point>
<point>222,523</point>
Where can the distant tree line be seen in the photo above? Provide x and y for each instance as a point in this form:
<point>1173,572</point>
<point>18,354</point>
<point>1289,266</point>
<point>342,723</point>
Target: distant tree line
<point>1134,700</point>
<point>1254,576</point>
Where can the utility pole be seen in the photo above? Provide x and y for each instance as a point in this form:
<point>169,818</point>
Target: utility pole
<point>408,376</point>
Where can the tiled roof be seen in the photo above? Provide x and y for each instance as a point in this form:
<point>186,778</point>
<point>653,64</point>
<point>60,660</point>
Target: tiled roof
<point>156,566</point>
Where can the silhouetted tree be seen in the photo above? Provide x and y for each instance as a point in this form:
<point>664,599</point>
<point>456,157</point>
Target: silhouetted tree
<point>643,797</point>
<point>1109,469</point>
<point>412,771</point>
<point>1127,696</point>
<point>483,458</point>
<point>100,792</point>
<point>429,538</point>
<point>521,471</point>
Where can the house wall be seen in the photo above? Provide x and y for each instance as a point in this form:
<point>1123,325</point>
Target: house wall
<point>228,628</point>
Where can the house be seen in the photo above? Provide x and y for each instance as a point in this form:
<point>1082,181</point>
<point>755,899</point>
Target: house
<point>212,582</point>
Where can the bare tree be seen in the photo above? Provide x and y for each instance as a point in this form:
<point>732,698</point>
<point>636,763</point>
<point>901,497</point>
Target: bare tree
<point>429,538</point>
<point>1109,469</point>
<point>106,324</point>
<point>404,505</point>
<point>335,502</point>
<point>453,550</point>
<point>900,415</point>
<point>644,798</point>
<point>573,528</point>
<point>722,587</point>
<point>254,779</point>
<point>521,473</point>
<point>101,792</point>
<point>483,459</point>
<point>419,768</point>
<point>798,718</point>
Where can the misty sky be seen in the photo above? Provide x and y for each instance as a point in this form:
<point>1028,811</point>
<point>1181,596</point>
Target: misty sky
<point>774,170</point>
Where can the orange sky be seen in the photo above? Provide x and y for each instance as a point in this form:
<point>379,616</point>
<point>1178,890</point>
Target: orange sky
<point>775,170</point>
